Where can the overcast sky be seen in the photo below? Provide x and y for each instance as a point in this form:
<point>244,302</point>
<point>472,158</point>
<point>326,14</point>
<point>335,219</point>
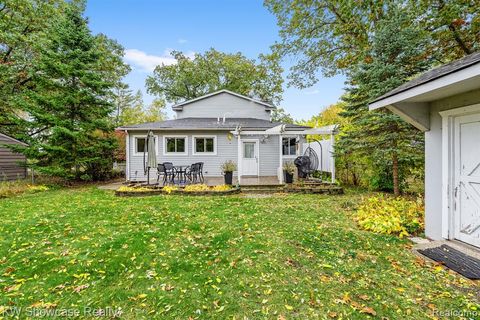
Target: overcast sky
<point>150,29</point>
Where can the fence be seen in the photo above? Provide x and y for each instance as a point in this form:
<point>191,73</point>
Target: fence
<point>326,162</point>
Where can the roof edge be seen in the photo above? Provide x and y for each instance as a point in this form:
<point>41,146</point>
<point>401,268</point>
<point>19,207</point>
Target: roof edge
<point>13,139</point>
<point>179,106</point>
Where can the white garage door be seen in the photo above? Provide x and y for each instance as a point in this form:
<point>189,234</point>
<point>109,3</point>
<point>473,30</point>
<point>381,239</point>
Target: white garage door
<point>467,179</point>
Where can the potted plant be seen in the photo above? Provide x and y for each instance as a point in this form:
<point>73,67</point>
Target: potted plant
<point>227,168</point>
<point>289,170</point>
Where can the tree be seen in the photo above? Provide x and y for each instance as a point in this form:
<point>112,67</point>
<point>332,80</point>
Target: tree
<point>336,35</point>
<point>69,106</point>
<point>280,115</point>
<point>214,70</point>
<point>155,111</point>
<point>383,138</point>
<point>23,25</point>
<point>330,115</point>
<point>130,108</point>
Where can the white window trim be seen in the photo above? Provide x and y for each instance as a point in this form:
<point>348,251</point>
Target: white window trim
<point>289,156</point>
<point>165,153</point>
<point>143,136</point>
<point>214,153</point>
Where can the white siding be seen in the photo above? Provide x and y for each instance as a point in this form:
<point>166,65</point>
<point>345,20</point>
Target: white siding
<point>226,150</point>
<point>433,160</point>
<point>221,104</point>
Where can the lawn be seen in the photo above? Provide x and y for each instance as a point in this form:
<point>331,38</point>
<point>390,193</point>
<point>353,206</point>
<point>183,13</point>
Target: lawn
<point>286,256</point>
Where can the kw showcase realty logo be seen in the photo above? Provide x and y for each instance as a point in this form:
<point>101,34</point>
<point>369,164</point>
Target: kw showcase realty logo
<point>35,312</point>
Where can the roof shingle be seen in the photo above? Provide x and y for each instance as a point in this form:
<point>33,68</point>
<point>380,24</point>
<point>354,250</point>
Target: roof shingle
<point>434,74</point>
<point>210,123</point>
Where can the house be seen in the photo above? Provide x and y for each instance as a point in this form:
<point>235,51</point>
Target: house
<point>445,104</point>
<point>214,128</point>
<point>12,164</point>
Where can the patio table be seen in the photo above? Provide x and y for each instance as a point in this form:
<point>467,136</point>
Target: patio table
<point>181,171</point>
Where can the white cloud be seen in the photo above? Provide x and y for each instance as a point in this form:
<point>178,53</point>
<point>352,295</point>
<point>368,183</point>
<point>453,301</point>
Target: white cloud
<point>316,91</point>
<point>147,62</point>
<point>182,41</point>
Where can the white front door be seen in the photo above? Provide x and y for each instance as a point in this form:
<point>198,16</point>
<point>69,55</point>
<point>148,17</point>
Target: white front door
<point>250,157</point>
<point>467,179</point>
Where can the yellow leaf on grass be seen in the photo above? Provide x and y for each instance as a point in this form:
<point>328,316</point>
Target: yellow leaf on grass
<point>288,307</point>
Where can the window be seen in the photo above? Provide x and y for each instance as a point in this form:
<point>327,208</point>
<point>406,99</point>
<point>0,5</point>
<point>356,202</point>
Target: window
<point>249,150</point>
<point>289,146</point>
<point>175,145</point>
<point>140,145</point>
<point>204,145</point>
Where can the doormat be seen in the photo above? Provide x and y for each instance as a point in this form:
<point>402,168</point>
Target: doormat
<point>455,260</point>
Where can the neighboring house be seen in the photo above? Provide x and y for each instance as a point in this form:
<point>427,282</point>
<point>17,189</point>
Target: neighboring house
<point>215,128</point>
<point>445,104</point>
<point>12,164</point>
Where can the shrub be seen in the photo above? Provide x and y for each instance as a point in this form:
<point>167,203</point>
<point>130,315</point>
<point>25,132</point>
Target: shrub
<point>169,189</point>
<point>196,187</point>
<point>222,187</point>
<point>388,215</point>
<point>12,188</point>
<point>204,187</point>
<point>133,189</point>
<point>289,167</point>
<point>228,166</point>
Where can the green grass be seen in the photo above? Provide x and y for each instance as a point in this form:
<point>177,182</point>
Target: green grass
<point>286,256</point>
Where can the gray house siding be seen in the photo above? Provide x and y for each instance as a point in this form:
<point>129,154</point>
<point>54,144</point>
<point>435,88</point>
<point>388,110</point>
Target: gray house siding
<point>269,153</point>
<point>224,104</point>
<point>12,165</point>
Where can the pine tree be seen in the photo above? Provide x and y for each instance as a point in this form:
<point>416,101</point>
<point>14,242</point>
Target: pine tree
<point>380,138</point>
<point>69,107</point>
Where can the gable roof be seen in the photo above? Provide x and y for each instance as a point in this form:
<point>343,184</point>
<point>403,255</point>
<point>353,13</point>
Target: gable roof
<point>180,105</point>
<point>12,139</point>
<point>211,124</point>
<point>433,74</point>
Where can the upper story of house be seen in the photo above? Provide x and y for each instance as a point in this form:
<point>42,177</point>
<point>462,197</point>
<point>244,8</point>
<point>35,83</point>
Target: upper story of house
<point>224,104</point>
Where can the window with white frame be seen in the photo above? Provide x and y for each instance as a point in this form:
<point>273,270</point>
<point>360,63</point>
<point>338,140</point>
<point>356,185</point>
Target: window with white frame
<point>140,144</point>
<point>204,145</point>
<point>289,146</point>
<point>175,144</point>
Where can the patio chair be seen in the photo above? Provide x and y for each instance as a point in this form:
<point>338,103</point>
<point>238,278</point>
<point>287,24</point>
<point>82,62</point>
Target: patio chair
<point>193,173</point>
<point>200,169</point>
<point>161,173</point>
<point>169,171</point>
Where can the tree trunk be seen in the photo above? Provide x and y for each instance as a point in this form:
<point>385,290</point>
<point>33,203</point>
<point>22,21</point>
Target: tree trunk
<point>396,187</point>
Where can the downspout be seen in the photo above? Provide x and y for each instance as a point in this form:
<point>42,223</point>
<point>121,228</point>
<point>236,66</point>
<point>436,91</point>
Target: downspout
<point>127,156</point>
<point>239,156</point>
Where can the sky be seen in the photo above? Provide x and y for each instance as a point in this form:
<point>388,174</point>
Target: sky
<point>150,29</point>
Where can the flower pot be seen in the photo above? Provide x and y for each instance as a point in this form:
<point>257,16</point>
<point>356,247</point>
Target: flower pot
<point>228,178</point>
<point>288,177</point>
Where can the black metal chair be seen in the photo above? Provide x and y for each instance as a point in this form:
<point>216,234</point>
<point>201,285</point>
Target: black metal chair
<point>192,173</point>
<point>161,173</point>
<point>169,172</point>
<point>200,169</point>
